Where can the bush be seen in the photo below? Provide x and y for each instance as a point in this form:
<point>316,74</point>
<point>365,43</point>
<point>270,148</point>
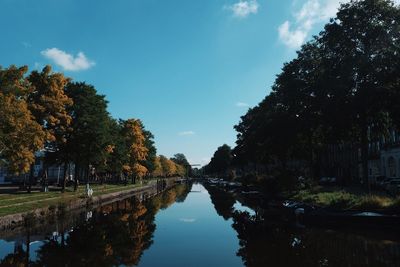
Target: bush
<point>374,202</point>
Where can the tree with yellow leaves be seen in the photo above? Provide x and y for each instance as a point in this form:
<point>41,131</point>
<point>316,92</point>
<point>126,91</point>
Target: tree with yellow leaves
<point>158,169</point>
<point>49,103</point>
<point>180,170</point>
<point>20,135</point>
<point>168,166</point>
<point>137,150</point>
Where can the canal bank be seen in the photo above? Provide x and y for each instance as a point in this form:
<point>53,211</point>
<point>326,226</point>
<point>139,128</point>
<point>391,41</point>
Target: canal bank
<point>62,204</point>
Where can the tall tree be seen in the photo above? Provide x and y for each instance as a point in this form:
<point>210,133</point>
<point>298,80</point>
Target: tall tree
<point>49,103</point>
<point>181,160</point>
<point>137,150</point>
<point>221,161</point>
<point>364,40</point>
<point>168,166</point>
<point>158,169</point>
<point>20,135</point>
<point>149,163</point>
<point>118,150</point>
<point>86,144</point>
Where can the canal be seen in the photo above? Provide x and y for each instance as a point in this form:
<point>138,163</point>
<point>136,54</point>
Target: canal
<point>189,225</point>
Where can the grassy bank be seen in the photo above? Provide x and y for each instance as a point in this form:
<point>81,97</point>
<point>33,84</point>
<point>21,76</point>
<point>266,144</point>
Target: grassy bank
<point>348,199</point>
<point>23,202</point>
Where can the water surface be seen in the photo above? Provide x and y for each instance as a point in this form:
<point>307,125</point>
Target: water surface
<point>189,225</point>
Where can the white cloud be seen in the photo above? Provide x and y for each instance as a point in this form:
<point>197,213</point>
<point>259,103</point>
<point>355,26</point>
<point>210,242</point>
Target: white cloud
<point>244,8</point>
<point>242,105</point>
<point>68,61</point>
<point>310,13</point>
<point>290,38</point>
<point>185,133</point>
<point>305,17</point>
<point>187,220</point>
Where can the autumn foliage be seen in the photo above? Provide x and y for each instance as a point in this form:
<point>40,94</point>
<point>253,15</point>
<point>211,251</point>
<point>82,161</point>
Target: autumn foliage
<point>68,121</point>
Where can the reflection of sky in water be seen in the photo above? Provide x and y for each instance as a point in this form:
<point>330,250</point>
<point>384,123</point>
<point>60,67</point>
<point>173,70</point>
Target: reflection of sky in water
<point>209,241</point>
<point>239,207</point>
<point>6,248</point>
<point>190,233</point>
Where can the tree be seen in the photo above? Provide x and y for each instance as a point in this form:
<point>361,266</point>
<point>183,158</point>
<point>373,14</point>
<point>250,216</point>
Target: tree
<point>158,169</point>
<point>364,39</point>
<point>180,170</point>
<point>137,150</point>
<point>118,155</point>
<point>221,161</point>
<point>86,144</point>
<point>181,160</point>
<point>340,89</point>
<point>20,135</point>
<point>168,166</point>
<point>49,105</point>
<point>149,163</point>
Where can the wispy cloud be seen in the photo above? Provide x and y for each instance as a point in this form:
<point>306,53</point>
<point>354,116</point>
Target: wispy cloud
<point>294,34</point>
<point>242,105</point>
<point>26,44</point>
<point>185,133</point>
<point>187,220</point>
<point>68,61</point>
<point>243,8</point>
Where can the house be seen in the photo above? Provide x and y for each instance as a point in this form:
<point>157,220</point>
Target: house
<point>54,172</point>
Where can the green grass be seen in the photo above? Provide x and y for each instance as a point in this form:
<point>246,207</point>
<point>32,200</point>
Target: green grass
<point>347,199</point>
<point>24,202</point>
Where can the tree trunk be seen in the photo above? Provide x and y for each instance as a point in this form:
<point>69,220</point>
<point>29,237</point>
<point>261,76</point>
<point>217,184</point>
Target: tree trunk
<point>45,180</point>
<point>364,152</point>
<point>76,177</point>
<point>311,157</point>
<point>30,180</point>
<point>64,178</point>
<point>87,175</point>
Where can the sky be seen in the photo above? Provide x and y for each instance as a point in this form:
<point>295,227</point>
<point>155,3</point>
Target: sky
<point>188,69</point>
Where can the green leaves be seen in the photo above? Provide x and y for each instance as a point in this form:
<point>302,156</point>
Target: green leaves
<point>344,81</point>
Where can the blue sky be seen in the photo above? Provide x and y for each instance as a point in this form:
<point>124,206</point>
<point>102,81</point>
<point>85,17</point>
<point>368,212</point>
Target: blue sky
<point>187,69</point>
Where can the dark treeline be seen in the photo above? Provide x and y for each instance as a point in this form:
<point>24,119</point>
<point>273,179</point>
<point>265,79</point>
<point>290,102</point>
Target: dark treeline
<point>341,89</point>
<point>68,121</point>
<point>220,162</point>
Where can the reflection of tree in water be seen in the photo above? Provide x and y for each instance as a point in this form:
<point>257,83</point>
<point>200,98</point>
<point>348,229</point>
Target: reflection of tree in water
<point>116,234</point>
<point>183,191</point>
<point>163,201</point>
<point>264,243</point>
<point>223,201</point>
